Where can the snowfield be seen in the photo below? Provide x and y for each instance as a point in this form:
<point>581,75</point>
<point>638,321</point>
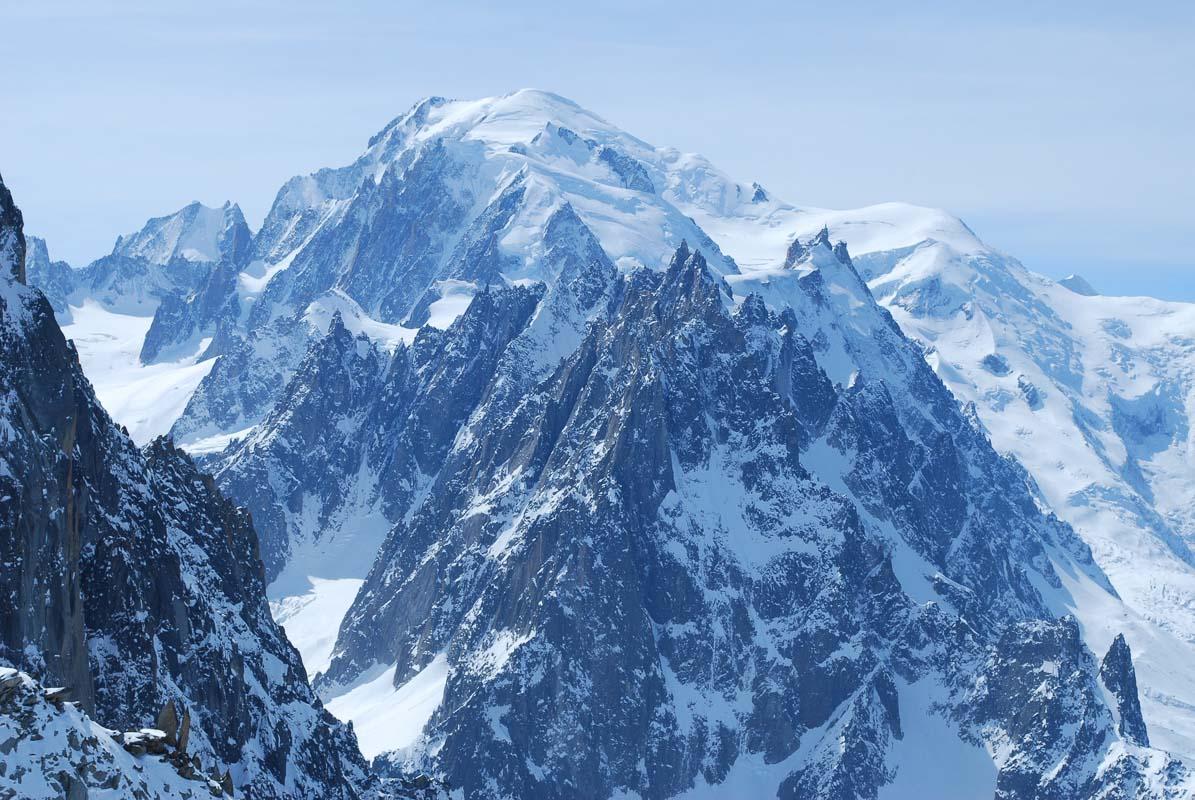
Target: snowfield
<point>387,718</point>
<point>312,620</point>
<point>146,399</point>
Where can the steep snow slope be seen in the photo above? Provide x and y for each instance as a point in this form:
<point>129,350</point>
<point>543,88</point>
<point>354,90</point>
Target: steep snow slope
<point>387,718</point>
<point>53,750</point>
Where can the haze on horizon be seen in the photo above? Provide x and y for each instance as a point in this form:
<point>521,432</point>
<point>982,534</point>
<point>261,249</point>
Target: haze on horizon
<point>1061,134</point>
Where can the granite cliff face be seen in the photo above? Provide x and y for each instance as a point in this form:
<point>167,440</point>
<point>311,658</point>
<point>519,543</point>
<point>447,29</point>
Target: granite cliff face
<point>12,237</point>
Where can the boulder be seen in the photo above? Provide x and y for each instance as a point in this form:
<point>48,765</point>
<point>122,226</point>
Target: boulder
<point>168,721</point>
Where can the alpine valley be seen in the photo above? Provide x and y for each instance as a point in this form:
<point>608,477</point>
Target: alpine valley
<point>523,459</point>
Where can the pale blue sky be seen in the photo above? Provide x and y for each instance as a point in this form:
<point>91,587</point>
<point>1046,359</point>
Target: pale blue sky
<point>1062,132</point>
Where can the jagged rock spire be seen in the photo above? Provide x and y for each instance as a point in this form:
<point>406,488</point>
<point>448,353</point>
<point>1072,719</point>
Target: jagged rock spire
<point>1119,677</point>
<point>822,238</point>
<point>840,252</point>
<point>796,252</point>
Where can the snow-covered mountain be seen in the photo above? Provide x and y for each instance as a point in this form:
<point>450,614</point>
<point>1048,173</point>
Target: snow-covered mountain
<point>171,257</point>
<point>688,560</point>
<point>1092,394</point>
<point>127,577</point>
<point>624,484</point>
<point>144,315</point>
<point>447,198</point>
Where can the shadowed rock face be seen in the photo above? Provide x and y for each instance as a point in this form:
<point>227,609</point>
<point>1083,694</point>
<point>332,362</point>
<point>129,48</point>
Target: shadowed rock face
<point>1119,677</point>
<point>12,236</point>
<point>41,613</point>
<point>350,414</point>
<point>356,429</point>
<point>180,320</point>
<point>128,577</point>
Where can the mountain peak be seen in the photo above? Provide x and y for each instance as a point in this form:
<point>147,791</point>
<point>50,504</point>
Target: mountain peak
<point>1119,677</point>
<point>193,233</point>
<point>689,280</point>
<point>500,121</point>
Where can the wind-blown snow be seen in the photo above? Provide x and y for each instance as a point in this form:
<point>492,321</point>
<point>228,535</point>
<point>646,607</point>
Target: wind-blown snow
<point>214,444</point>
<point>319,315</point>
<point>454,299</point>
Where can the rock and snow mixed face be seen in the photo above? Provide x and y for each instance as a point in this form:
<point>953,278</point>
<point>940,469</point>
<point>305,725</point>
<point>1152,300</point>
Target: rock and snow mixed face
<point>1093,394</point>
<point>582,453</point>
<point>171,257</point>
<point>447,199</point>
<point>453,197</point>
<point>53,750</point>
<point>688,555</point>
